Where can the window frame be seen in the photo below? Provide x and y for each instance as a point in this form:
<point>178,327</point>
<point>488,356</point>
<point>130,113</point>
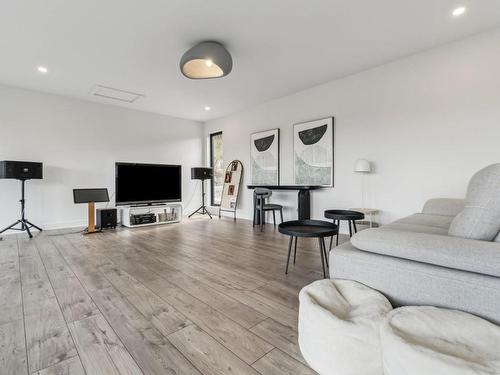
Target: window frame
<point>212,136</point>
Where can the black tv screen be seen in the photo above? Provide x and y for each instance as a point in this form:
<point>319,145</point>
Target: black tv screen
<point>147,183</point>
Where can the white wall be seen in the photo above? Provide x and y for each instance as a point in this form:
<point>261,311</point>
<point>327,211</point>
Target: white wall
<point>79,142</point>
<point>427,122</point>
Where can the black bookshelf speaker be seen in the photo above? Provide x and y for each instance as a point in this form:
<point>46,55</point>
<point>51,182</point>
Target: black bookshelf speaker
<point>199,173</point>
<point>21,170</point>
<point>106,218</point>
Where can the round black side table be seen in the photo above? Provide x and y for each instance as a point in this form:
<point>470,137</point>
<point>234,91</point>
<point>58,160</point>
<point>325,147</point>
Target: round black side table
<point>308,228</point>
<point>347,215</point>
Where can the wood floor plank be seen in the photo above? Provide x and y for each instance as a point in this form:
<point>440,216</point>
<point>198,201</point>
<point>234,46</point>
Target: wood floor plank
<point>32,269</point>
<point>267,307</point>
<point>277,292</point>
<point>9,258</point>
<point>240,313</point>
<point>278,363</point>
<point>159,313</point>
<point>71,366</point>
<point>240,341</point>
<point>12,349</point>
<point>281,336</point>
<point>232,335</point>
<point>151,350</point>
<point>210,357</point>
<point>218,279</point>
<point>101,351</point>
<point>11,308</point>
<point>75,303</point>
<point>48,340</point>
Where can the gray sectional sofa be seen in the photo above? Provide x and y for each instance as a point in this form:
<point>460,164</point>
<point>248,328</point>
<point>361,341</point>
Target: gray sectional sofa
<point>446,256</point>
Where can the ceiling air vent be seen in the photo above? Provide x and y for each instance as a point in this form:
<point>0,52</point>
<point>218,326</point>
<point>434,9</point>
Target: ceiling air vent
<point>115,94</point>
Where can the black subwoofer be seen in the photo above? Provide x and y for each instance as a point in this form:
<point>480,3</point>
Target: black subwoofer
<point>106,218</point>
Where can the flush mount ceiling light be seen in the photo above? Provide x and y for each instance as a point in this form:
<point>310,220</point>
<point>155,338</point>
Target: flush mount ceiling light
<point>206,60</point>
<point>207,108</point>
<point>457,12</point>
<point>42,69</point>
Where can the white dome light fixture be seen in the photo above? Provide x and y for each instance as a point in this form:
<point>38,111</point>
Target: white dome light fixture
<point>206,60</point>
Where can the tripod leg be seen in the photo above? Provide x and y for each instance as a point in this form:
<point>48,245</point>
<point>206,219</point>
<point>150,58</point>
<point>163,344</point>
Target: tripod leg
<point>28,230</point>
<point>195,212</point>
<point>208,213</point>
<point>33,225</point>
<point>10,226</point>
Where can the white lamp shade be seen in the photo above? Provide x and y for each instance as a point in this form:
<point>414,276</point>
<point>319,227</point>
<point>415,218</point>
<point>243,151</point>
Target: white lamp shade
<point>362,166</point>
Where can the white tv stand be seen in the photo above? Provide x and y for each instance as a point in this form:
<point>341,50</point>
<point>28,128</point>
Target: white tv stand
<point>167,213</point>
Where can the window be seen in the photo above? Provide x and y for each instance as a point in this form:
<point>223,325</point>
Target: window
<point>217,163</point>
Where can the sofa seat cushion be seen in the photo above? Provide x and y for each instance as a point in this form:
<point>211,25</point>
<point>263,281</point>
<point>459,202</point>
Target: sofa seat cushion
<point>405,282</point>
<point>438,221</point>
<point>480,218</point>
<point>339,323</point>
<point>430,340</point>
<point>452,252</point>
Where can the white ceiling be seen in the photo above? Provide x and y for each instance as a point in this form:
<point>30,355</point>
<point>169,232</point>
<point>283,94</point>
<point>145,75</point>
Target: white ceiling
<point>278,46</point>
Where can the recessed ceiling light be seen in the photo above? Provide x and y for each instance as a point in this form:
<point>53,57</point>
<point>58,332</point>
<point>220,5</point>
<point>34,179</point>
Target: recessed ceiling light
<point>42,69</point>
<point>207,108</point>
<point>457,12</point>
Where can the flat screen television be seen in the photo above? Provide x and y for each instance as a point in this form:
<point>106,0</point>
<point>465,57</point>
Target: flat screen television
<point>147,183</point>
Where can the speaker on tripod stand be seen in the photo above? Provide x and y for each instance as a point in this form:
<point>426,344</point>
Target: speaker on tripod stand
<point>23,171</point>
<point>202,174</point>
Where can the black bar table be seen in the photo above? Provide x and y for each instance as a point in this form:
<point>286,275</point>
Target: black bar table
<point>304,197</point>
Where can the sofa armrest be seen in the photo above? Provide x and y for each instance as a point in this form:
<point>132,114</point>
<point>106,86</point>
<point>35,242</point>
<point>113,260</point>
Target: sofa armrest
<point>443,206</point>
<point>458,253</point>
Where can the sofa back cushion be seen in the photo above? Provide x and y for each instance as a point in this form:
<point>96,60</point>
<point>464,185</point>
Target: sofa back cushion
<point>480,218</point>
<point>444,206</point>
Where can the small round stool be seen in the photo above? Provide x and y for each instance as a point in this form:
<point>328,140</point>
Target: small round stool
<point>429,340</point>
<point>347,215</point>
<point>308,228</point>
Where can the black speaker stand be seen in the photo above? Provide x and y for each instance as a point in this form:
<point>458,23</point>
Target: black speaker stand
<point>203,209</point>
<point>25,224</point>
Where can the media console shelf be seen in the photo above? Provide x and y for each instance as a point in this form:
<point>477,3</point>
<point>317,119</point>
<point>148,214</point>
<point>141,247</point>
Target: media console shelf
<point>168,213</point>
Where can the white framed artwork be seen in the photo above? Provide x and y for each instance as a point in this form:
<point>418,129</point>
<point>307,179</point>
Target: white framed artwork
<point>265,157</point>
<point>313,152</point>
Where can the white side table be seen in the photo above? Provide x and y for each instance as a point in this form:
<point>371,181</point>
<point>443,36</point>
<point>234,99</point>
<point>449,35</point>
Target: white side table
<point>369,212</point>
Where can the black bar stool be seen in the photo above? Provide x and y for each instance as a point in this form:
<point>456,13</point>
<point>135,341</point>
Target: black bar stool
<point>344,215</point>
<point>260,206</point>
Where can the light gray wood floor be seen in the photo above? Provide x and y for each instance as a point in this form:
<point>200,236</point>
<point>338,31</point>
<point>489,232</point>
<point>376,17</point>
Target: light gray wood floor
<point>200,297</point>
